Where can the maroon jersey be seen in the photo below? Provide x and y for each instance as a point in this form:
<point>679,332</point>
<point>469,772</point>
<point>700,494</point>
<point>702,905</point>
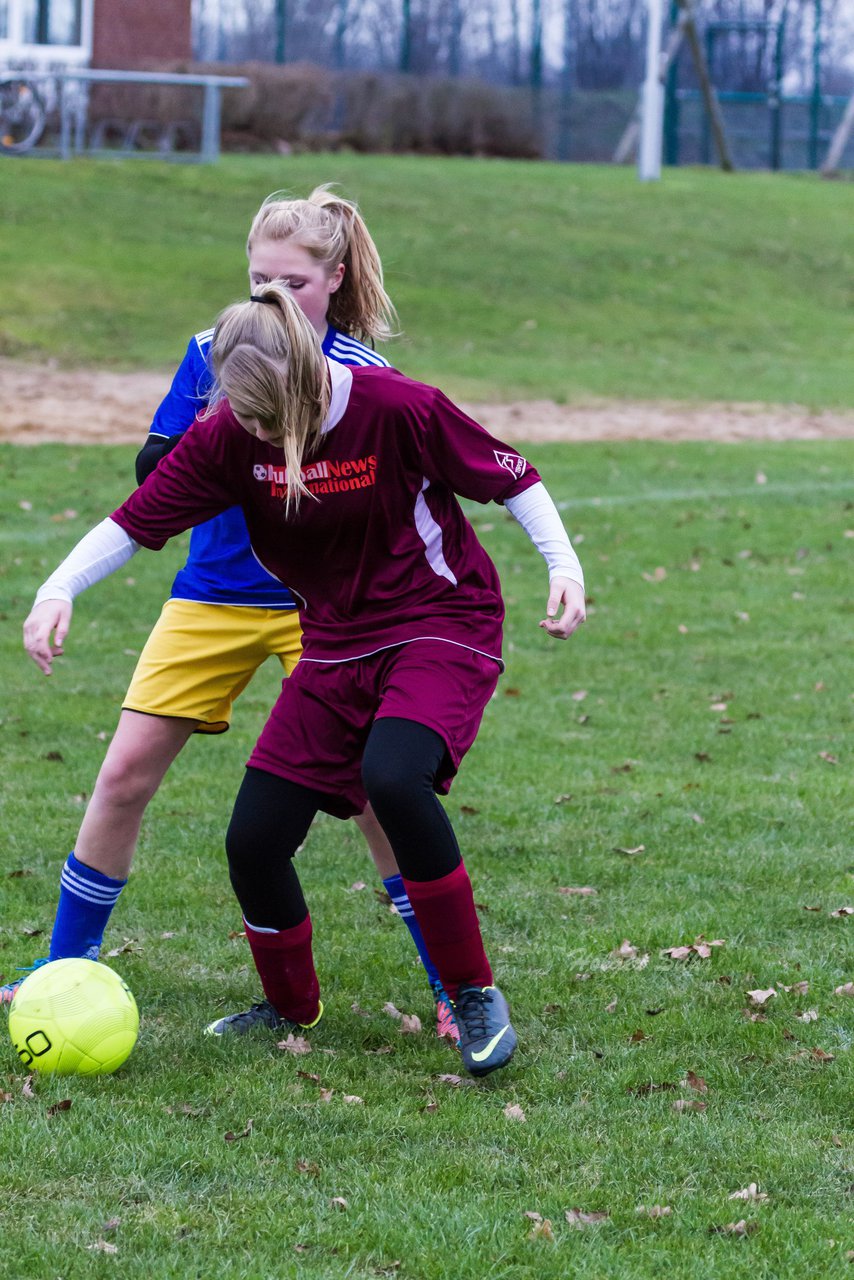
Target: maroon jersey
<point>379,553</point>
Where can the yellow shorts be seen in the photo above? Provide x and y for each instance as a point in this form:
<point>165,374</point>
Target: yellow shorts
<point>200,657</point>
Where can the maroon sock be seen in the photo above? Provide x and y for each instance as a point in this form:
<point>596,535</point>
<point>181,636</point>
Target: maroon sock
<point>447,915</point>
<point>286,969</point>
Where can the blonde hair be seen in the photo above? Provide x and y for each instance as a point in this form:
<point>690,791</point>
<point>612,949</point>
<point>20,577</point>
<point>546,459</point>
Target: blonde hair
<point>333,231</point>
<point>268,361</point>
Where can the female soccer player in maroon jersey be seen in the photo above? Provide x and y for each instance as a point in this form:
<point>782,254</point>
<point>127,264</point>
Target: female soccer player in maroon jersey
<point>347,479</point>
<point>225,615</point>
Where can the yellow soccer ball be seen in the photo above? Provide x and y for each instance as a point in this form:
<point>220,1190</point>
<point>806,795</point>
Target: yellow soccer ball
<point>73,1017</point>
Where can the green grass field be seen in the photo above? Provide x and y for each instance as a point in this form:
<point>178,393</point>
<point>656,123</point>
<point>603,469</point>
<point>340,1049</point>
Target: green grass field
<point>512,279</point>
<point>701,714</point>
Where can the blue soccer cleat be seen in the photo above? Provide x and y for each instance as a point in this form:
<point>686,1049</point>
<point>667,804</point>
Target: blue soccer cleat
<point>487,1038</point>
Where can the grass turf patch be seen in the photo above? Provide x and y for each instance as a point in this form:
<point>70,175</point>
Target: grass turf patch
<point>513,279</point>
<point>696,715</point>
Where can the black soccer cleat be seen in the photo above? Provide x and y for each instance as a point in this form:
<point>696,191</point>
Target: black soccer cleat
<point>260,1015</point>
<point>487,1039</point>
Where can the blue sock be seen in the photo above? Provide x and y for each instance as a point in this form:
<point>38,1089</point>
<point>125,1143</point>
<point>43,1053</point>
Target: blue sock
<point>395,890</point>
<point>86,899</point>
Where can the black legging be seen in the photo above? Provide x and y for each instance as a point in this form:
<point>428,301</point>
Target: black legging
<point>271,818</point>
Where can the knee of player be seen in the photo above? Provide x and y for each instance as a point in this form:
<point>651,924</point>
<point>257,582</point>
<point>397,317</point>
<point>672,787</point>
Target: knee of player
<point>122,784</point>
<point>390,782</point>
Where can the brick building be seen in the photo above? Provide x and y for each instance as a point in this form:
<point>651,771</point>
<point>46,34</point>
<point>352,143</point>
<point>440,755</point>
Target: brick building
<point>115,34</point>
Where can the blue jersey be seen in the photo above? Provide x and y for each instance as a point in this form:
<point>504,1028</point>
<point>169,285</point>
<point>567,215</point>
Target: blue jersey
<point>221,567</point>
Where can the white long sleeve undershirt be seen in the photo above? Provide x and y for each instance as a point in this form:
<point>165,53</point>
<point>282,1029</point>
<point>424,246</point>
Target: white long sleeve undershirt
<point>103,550</point>
<point>107,548</point>
<point>539,517</point>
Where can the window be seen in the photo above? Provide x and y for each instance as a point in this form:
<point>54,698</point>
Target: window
<point>51,21</point>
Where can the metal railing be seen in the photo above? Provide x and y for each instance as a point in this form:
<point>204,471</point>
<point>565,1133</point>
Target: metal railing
<point>72,102</point>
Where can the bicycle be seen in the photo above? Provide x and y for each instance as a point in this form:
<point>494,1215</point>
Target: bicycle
<point>23,114</point>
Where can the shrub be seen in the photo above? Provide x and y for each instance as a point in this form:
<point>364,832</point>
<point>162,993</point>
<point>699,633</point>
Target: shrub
<point>304,106</point>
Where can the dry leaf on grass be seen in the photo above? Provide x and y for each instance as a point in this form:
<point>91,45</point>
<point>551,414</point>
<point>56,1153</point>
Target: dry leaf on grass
<point>27,1088</point>
<point>390,1009</point>
<point>532,1215</point>
<point>129,947</point>
<point>760,996</point>
<point>637,1037</point>
<point>294,1044</point>
<point>352,1097</point>
<point>808,1015</point>
<point>689,1104</point>
<point>843,911</point>
<point>740,1228</point>
<point>630,850</point>
<point>65,1105</point>
<point>750,1192</point>
<point>625,951</point>
<point>697,1083</point>
<point>578,1218</point>
<point>514,1112</point>
<point>338,1202</point>
<point>612,1007</point>
<point>700,947</point>
<point>847,989</point>
<point>325,1095</point>
<point>454,1081</point>
<point>309,1167</point>
<point>799,988</point>
<point>828,758</point>
<point>410,1024</point>
<point>584,891</point>
<point>542,1231</point>
<point>357,886</point>
<point>650,1086</point>
<point>654,1211</point>
<point>235,1137</point>
<point>102,1246</point>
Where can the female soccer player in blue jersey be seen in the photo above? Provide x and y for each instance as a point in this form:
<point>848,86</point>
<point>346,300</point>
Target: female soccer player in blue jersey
<point>348,479</point>
<point>226,614</point>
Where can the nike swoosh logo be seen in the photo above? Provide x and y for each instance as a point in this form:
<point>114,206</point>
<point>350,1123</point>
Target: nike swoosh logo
<point>484,1053</point>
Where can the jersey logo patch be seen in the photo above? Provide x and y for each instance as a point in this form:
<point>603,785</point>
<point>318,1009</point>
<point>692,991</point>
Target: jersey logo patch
<point>511,462</point>
<point>330,476</point>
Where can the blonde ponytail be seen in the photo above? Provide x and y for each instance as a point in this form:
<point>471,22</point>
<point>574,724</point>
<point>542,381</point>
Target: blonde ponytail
<point>268,361</point>
<point>333,231</point>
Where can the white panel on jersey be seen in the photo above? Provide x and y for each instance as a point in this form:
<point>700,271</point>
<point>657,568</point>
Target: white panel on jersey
<point>431,535</point>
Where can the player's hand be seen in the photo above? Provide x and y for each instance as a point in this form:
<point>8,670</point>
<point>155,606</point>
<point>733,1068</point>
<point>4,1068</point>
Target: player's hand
<point>50,618</point>
<point>563,591</point>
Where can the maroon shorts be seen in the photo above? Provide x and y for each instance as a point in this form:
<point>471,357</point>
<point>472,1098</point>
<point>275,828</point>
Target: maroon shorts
<point>317,730</point>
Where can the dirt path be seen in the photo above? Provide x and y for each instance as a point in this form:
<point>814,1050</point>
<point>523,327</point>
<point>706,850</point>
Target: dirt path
<point>43,404</point>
